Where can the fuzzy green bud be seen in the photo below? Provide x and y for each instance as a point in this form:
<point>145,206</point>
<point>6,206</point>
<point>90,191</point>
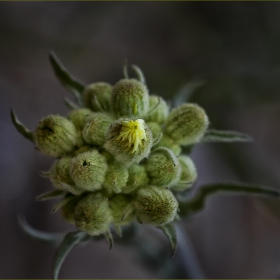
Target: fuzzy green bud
<point>116,177</point>
<point>92,214</point>
<point>137,177</point>
<point>78,117</point>
<point>96,127</point>
<point>155,128</point>
<point>56,136</point>
<point>163,168</point>
<point>167,142</point>
<point>97,96</point>
<point>122,209</point>
<point>187,124</point>
<point>188,174</point>
<point>129,141</point>
<point>130,99</point>
<point>155,206</point>
<point>88,170</point>
<point>158,110</point>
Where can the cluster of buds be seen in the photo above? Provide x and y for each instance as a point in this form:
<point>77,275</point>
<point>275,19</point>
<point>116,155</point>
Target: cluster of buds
<point>118,156</point>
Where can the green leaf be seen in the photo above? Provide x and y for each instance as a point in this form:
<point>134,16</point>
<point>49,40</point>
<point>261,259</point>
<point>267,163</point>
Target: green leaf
<point>20,127</point>
<point>70,104</point>
<point>50,195</point>
<point>170,232</point>
<point>65,78</point>
<point>109,238</point>
<point>214,135</point>
<point>197,202</point>
<point>69,241</point>
<point>139,73</point>
<point>41,236</point>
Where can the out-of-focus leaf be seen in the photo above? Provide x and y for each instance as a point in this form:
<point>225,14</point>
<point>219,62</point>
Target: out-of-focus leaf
<point>170,232</point>
<point>41,236</point>
<point>50,195</point>
<point>109,237</point>
<point>69,241</point>
<point>197,202</point>
<point>214,135</point>
<point>20,127</point>
<point>65,78</point>
<point>71,105</point>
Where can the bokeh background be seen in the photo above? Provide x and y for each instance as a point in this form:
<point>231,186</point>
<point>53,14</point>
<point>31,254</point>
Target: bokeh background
<point>232,46</point>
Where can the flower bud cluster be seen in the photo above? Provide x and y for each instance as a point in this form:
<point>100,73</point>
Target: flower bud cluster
<point>118,158</point>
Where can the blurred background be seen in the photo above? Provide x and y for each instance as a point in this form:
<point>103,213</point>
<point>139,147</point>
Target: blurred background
<point>233,47</point>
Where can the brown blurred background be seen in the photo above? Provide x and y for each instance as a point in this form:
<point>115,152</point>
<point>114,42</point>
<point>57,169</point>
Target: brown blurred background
<point>232,46</point>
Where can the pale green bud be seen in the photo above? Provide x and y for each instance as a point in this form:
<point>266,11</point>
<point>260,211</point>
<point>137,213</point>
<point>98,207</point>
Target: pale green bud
<point>92,214</point>
<point>88,170</point>
<point>115,178</point>
<point>155,128</point>
<point>158,110</point>
<point>130,99</point>
<point>96,127</point>
<point>78,117</point>
<point>137,177</point>
<point>188,174</point>
<point>122,209</point>
<point>56,136</point>
<point>163,168</point>
<point>85,148</point>
<point>187,124</point>
<point>167,142</point>
<point>129,141</point>
<point>155,206</point>
<point>97,96</point>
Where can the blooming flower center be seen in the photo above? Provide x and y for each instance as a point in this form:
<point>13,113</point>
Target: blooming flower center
<point>133,132</point>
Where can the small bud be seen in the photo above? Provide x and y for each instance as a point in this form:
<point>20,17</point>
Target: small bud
<point>96,127</point>
<point>92,214</point>
<point>163,168</point>
<point>116,177</point>
<point>122,209</point>
<point>129,141</point>
<point>155,128</point>
<point>137,177</point>
<point>130,99</point>
<point>167,142</point>
<point>97,96</point>
<point>158,110</point>
<point>82,149</point>
<point>155,206</point>
<point>88,170</point>
<point>188,174</point>
<point>78,117</point>
<point>187,123</point>
<point>56,136</point>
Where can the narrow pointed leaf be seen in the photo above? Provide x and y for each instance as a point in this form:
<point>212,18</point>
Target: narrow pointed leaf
<point>214,135</point>
<point>69,241</point>
<point>71,105</point>
<point>109,237</point>
<point>197,202</point>
<point>139,73</point>
<point>41,236</point>
<point>170,232</point>
<point>50,195</point>
<point>21,128</point>
<point>62,203</point>
<point>65,78</point>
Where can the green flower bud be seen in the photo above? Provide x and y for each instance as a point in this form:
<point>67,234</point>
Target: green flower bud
<point>92,214</point>
<point>130,99</point>
<point>167,142</point>
<point>56,136</point>
<point>88,170</point>
<point>137,177</point>
<point>83,149</point>
<point>95,129</point>
<point>188,174</point>
<point>187,123</point>
<point>97,96</point>
<point>78,117</point>
<point>155,206</point>
<point>163,167</point>
<point>129,141</point>
<point>116,177</point>
<point>155,128</point>
<point>158,110</point>
<point>122,209</point>
<point>68,209</point>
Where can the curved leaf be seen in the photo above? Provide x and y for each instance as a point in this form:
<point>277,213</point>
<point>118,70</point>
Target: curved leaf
<point>69,241</point>
<point>214,135</point>
<point>139,73</point>
<point>65,78</point>
<point>20,127</point>
<point>50,195</point>
<point>197,202</point>
<point>41,236</point>
<point>170,232</point>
